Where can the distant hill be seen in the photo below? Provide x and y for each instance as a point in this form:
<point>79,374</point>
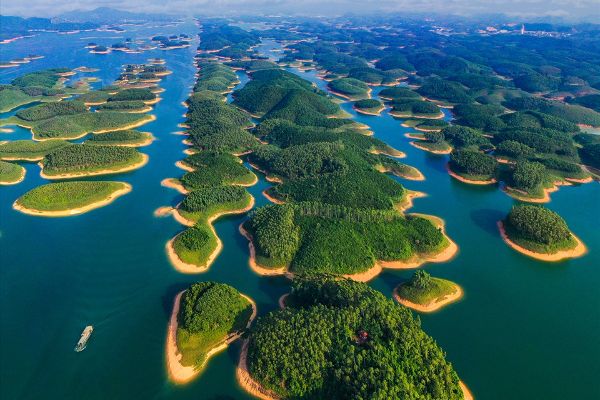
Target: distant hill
<point>106,15</point>
<point>14,26</point>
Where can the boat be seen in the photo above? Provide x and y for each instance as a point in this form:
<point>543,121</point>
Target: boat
<point>85,336</point>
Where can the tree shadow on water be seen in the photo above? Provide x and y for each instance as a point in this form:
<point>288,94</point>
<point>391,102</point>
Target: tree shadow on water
<point>487,219</point>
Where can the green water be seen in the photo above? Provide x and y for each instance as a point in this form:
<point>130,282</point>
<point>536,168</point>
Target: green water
<point>524,330</point>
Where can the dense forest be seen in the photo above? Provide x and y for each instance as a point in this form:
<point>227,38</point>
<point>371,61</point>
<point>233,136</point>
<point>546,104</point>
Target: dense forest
<point>208,313</point>
<point>355,342</point>
<point>538,229</point>
<point>320,238</point>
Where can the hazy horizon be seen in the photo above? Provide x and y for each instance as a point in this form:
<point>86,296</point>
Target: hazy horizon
<point>571,10</point>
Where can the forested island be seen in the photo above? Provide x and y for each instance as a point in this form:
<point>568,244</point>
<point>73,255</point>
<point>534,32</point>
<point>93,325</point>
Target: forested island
<point>11,174</point>
<point>79,160</point>
<point>65,199</point>
<point>425,293</point>
<point>540,233</point>
<point>348,325</point>
<point>369,106</point>
<point>206,318</point>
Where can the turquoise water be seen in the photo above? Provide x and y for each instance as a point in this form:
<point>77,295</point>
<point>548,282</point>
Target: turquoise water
<point>524,330</point>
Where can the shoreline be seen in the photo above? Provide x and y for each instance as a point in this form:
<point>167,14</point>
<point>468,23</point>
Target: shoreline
<point>417,177</point>
<point>440,152</point>
<point>182,165</point>
<point>435,305</point>
<point>367,275</point>
<point>447,254</point>
<point>187,268</point>
<point>469,181</point>
<point>19,180</point>
<point>254,266</point>
<point>173,183</point>
<point>512,192</point>
<point>407,202</point>
<point>144,121</point>
<point>180,374</point>
<point>578,251</point>
<point>390,152</point>
<point>146,142</point>
<point>128,168</point>
<point>271,179</point>
<point>75,211</point>
<point>247,382</point>
<point>364,112</point>
<point>271,198</point>
<point>465,390</point>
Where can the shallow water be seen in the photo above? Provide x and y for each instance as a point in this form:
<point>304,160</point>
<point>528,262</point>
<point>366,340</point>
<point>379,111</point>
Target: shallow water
<point>525,329</point>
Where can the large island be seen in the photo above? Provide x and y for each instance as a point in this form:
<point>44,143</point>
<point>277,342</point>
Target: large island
<point>340,327</point>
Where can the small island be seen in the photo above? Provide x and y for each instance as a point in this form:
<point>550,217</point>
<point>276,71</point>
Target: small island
<point>473,167</point>
<point>11,174</point>
<point>336,318</point>
<point>79,160</point>
<point>425,125</point>
<point>127,138</point>
<point>350,88</point>
<point>65,199</point>
<point>369,106</point>
<point>540,233</point>
<point>206,318</point>
<point>409,108</point>
<point>28,150</point>
<point>194,249</point>
<point>427,294</point>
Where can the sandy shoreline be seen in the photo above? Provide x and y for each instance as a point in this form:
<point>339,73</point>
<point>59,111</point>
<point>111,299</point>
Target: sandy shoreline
<point>179,373</point>
<point>75,211</point>
<point>512,192</point>
<point>367,275</point>
<point>418,176</point>
<point>247,382</point>
<point>469,181</point>
<point>390,152</point>
<point>173,183</point>
<point>271,198</point>
<point>420,147</point>
<point>128,168</point>
<point>410,115</point>
<point>435,305</point>
<point>271,179</point>
<point>375,114</point>
<point>449,252</point>
<point>466,392</point>
<point>578,251</point>
<point>19,179</point>
<point>187,268</point>
<point>182,165</point>
<point>407,201</point>
<point>260,270</point>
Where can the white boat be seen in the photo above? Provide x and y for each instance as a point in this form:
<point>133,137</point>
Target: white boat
<point>85,336</point>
